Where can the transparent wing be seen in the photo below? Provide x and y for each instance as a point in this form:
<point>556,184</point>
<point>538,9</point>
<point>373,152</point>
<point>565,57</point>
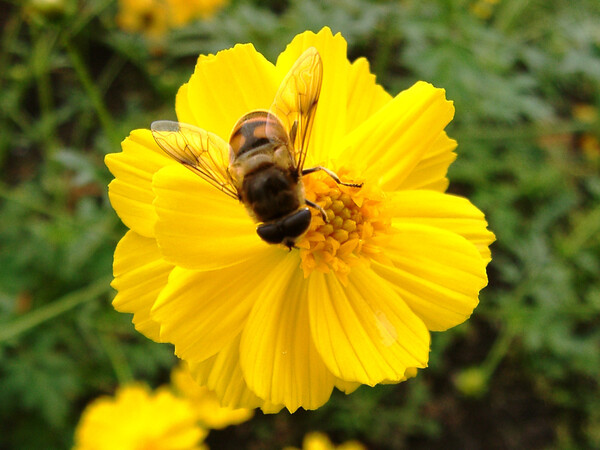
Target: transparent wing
<point>204,153</point>
<point>296,101</point>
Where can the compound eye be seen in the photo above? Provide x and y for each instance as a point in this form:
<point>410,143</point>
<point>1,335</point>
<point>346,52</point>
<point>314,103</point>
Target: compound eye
<point>270,233</point>
<point>297,223</point>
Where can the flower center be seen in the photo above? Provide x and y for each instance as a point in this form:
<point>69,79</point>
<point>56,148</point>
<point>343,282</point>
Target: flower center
<point>358,225</point>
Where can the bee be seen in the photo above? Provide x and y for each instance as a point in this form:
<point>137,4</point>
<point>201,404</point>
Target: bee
<point>263,164</point>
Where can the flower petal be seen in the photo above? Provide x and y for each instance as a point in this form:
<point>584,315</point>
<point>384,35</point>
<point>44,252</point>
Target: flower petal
<point>364,331</point>
<point>430,172</point>
<point>450,212</point>
<point>183,108</point>
<point>140,274</point>
<point>330,119</point>
<point>347,387</point>
<point>137,418</point>
<point>206,403</point>
<point>222,374</point>
<point>438,273</point>
<point>394,139</point>
<point>130,192</point>
<point>226,86</point>
<point>365,96</point>
<point>200,312</point>
<point>278,358</point>
<point>198,226</point>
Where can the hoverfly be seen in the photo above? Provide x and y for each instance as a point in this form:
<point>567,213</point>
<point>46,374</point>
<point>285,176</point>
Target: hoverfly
<point>267,151</point>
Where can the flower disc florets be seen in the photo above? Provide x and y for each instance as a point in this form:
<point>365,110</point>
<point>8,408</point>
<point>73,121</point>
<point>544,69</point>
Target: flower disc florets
<point>357,225</point>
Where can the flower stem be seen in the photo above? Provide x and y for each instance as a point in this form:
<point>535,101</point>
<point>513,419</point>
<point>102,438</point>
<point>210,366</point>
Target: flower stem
<point>585,229</point>
<point>11,195</point>
<point>24,201</point>
<point>117,359</point>
<point>93,93</point>
<point>44,43</point>
<point>56,308</point>
<point>497,353</point>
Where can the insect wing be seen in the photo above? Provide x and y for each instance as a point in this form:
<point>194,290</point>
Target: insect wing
<point>204,153</point>
<point>296,101</point>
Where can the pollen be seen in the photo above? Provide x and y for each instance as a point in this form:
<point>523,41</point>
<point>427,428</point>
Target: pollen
<point>356,230</point>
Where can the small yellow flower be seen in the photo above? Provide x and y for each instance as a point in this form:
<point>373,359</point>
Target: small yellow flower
<point>209,411</point>
<point>585,113</point>
<point>143,16</point>
<point>155,17</point>
<point>484,9</point>
<point>590,146</point>
<point>137,419</point>
<point>320,441</point>
<point>184,11</point>
<point>263,326</point>
<point>588,142</point>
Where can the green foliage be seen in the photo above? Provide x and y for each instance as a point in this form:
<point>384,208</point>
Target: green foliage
<point>72,87</point>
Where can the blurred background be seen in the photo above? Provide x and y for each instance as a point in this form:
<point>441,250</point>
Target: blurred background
<point>77,76</point>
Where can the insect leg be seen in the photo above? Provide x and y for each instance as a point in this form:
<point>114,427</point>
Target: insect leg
<point>331,174</point>
<point>321,210</point>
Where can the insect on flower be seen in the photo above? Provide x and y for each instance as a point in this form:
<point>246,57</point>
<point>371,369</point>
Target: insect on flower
<point>267,151</point>
<point>397,258</point>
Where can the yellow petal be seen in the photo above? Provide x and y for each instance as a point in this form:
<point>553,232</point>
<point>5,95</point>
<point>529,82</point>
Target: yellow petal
<point>199,227</point>
<point>185,111</point>
<point>430,172</point>
<point>226,86</point>
<point>200,312</point>
<point>214,416</point>
<point>278,358</point>
<point>137,418</point>
<point>316,440</point>
<point>411,372</point>
<point>130,192</point>
<point>206,403</point>
<point>330,119</point>
<point>436,272</point>
<point>347,387</point>
<point>452,213</point>
<point>365,96</point>
<point>393,140</point>
<point>364,332</point>
<point>140,274</point>
<point>222,374</point>
<point>351,445</point>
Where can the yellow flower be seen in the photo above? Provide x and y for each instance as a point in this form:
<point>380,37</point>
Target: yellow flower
<point>184,11</point>
<point>484,9</point>
<point>155,17</point>
<point>143,16</point>
<point>588,142</point>
<point>320,441</point>
<point>590,146</point>
<point>263,326</point>
<point>137,419</point>
<point>585,113</point>
<point>209,411</point>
